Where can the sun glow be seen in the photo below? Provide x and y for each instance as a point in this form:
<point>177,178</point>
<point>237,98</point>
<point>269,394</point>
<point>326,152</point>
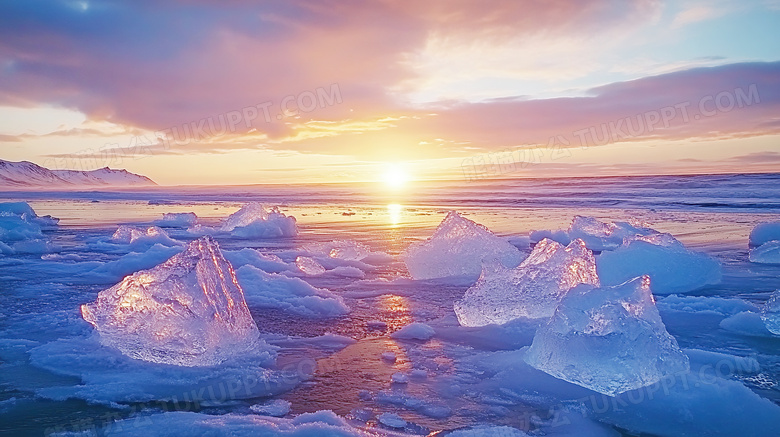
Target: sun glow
<point>395,176</point>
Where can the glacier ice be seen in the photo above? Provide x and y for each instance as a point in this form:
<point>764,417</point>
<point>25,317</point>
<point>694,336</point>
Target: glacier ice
<point>458,247</point>
<point>764,232</point>
<point>770,314</point>
<point>608,339</point>
<point>254,221</point>
<point>177,220</point>
<point>672,267</point>
<point>532,289</point>
<point>767,253</point>
<point>187,311</point>
<point>597,235</point>
<point>138,237</point>
<point>21,229</point>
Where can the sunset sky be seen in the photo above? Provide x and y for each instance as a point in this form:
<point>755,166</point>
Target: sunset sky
<point>239,92</point>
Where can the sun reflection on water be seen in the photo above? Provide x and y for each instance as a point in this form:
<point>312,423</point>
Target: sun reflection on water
<point>394,212</point>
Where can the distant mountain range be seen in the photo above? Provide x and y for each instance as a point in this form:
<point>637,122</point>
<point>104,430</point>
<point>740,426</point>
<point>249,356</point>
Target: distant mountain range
<point>28,175</point>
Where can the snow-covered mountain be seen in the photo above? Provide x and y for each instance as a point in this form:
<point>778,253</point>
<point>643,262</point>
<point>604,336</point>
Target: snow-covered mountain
<point>28,175</point>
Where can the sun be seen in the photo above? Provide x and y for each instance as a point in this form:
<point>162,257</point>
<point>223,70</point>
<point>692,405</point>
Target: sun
<point>395,176</point>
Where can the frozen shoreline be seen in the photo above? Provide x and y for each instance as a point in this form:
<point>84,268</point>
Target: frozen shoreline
<point>441,385</point>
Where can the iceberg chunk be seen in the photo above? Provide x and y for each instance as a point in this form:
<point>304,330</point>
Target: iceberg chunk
<point>458,247</point>
<point>187,311</point>
<point>532,289</point>
<point>671,266</point>
<point>137,237</point>
<point>21,230</point>
<point>600,236</point>
<point>597,235</point>
<point>608,339</point>
<point>177,220</point>
<point>764,232</point>
<point>253,221</point>
<point>767,253</point>
<point>770,314</point>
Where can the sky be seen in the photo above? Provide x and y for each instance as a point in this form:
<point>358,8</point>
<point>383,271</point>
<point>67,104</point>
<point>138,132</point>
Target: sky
<point>322,91</point>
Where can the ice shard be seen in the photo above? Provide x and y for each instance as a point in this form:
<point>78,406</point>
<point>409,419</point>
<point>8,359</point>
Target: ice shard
<point>187,311</point>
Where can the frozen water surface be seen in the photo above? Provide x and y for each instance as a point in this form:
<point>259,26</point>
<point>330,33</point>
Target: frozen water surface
<point>329,342</point>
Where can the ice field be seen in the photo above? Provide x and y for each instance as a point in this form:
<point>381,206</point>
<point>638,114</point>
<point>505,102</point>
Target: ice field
<point>578,307</point>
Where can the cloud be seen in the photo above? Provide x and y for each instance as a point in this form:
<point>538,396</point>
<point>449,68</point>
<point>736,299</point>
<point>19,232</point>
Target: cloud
<point>156,65</point>
<point>737,100</point>
<point>695,14</point>
<point>757,158</point>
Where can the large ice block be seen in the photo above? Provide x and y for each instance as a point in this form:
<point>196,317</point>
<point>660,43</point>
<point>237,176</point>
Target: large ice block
<point>672,267</point>
<point>608,339</point>
<point>458,247</point>
<point>770,314</point>
<point>532,289</point>
<point>187,311</point>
